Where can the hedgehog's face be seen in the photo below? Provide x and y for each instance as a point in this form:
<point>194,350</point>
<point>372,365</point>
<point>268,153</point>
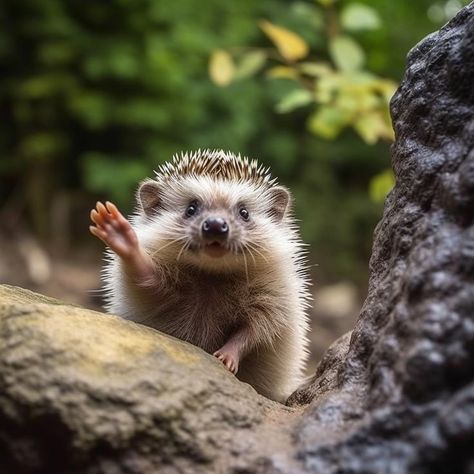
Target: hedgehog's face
<point>213,224</point>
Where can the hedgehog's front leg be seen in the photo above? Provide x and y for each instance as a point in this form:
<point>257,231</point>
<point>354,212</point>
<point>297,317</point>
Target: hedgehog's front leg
<point>116,232</point>
<point>229,355</point>
<point>234,349</point>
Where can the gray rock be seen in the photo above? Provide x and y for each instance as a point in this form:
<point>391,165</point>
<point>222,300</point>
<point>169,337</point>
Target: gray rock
<point>403,397</point>
<point>84,392</point>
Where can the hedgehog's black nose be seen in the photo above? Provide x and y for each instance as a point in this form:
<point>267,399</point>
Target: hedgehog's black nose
<point>215,228</point>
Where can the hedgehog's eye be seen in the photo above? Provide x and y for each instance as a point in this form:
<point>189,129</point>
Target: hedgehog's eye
<point>191,209</point>
<point>244,213</point>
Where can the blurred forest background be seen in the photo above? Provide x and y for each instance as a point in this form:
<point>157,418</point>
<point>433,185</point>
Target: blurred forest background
<point>94,95</point>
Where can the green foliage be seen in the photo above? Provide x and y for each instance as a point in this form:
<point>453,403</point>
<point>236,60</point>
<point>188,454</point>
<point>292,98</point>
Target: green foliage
<point>294,99</point>
<point>358,17</point>
<point>250,64</point>
<point>346,54</point>
<point>97,89</point>
<point>345,94</point>
<point>94,95</point>
<point>381,184</point>
<point>222,68</point>
<point>100,169</point>
<point>328,121</point>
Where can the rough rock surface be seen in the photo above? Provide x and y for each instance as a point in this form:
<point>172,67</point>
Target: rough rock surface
<point>83,392</point>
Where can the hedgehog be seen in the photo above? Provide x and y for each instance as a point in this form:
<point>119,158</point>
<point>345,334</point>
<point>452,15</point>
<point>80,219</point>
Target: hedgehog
<point>212,256</point>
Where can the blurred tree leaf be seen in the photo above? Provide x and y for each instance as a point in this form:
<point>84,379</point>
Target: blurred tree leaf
<point>45,85</point>
<point>93,108</point>
<point>356,16</point>
<point>328,121</point>
<point>123,61</point>
<point>221,67</point>
<point>42,145</point>
<point>250,64</point>
<point>309,13</point>
<point>282,72</point>
<point>290,45</point>
<point>326,87</point>
<point>56,52</point>
<point>141,112</point>
<point>386,87</point>
<point>346,53</point>
<point>315,69</point>
<point>380,185</point>
<point>293,100</point>
<point>371,126</point>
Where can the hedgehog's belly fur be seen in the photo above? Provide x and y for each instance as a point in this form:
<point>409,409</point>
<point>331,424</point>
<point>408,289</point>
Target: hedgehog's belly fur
<point>205,312</point>
<point>202,311</point>
<point>198,318</point>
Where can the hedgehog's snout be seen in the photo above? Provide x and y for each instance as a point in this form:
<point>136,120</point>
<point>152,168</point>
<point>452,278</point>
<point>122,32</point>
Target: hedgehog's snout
<point>215,229</point>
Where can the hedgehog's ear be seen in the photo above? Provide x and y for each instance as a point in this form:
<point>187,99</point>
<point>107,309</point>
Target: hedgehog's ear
<point>279,198</point>
<point>148,196</point>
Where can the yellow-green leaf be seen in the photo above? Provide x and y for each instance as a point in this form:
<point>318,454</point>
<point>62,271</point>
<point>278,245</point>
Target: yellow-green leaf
<point>328,121</point>
<point>294,99</point>
<point>380,185</point>
<point>290,45</point>
<point>357,16</point>
<point>371,126</point>
<point>282,72</point>
<point>386,87</point>
<point>346,53</point>
<point>315,69</point>
<point>361,99</point>
<point>221,67</point>
<point>250,64</point>
<point>308,13</point>
<point>327,88</point>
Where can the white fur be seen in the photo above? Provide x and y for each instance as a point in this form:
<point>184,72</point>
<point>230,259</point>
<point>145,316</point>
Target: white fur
<point>202,300</point>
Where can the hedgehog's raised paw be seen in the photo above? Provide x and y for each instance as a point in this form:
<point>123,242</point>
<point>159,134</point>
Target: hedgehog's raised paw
<point>114,230</point>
